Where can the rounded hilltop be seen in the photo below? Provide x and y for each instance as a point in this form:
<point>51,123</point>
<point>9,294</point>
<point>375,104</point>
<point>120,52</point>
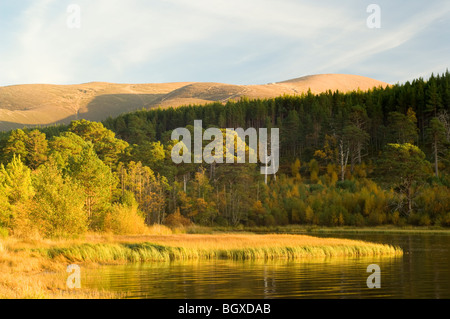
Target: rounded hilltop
<point>46,104</point>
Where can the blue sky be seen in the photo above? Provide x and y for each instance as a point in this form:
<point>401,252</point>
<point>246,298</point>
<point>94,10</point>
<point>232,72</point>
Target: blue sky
<point>229,41</point>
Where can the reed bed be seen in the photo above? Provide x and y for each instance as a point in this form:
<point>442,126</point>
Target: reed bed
<point>27,274</point>
<point>225,246</point>
<point>37,268</point>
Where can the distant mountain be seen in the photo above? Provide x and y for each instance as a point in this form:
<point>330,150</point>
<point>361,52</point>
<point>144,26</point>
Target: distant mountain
<point>45,104</point>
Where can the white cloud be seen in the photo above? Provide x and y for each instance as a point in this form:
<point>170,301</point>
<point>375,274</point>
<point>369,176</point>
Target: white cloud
<point>251,41</point>
<point>26,60</point>
<point>384,40</point>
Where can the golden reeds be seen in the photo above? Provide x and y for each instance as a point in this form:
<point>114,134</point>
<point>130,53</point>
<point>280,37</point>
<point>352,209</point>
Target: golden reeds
<point>226,246</point>
<point>37,268</point>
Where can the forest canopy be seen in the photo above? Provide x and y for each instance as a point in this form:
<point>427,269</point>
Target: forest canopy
<point>360,158</point>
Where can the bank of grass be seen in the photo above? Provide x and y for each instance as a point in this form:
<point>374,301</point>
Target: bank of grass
<point>37,268</point>
<point>123,249</point>
<point>27,274</point>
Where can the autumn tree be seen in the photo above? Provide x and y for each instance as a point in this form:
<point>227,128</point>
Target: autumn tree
<point>203,208</point>
<point>148,188</point>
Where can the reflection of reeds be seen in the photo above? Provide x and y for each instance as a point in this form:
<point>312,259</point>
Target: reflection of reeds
<point>36,268</point>
<point>225,246</point>
<point>251,264</point>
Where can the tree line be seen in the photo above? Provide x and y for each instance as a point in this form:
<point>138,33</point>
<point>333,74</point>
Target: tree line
<point>358,158</point>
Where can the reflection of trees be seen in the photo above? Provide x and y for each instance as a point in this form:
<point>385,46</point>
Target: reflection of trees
<point>269,282</point>
<point>422,272</point>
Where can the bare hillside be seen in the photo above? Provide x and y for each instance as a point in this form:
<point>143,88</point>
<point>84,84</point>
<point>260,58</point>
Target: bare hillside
<point>45,104</point>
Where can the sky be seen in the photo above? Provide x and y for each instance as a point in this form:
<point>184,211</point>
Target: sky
<point>227,41</point>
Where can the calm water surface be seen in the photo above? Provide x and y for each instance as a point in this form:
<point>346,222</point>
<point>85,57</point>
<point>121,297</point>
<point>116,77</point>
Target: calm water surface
<point>422,272</point>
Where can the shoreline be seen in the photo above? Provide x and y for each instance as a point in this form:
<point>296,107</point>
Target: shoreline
<point>36,269</point>
<point>313,230</point>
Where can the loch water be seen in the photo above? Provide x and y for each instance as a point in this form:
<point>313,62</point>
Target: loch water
<point>423,271</point>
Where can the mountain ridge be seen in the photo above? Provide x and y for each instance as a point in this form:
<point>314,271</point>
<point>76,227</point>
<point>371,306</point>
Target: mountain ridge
<point>46,104</point>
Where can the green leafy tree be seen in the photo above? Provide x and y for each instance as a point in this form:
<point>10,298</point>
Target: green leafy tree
<point>59,203</point>
<point>16,144</point>
<point>37,149</point>
<point>5,206</point>
<point>151,154</point>
<point>32,147</point>
<point>97,182</point>
<point>406,167</point>
<point>65,148</point>
<point>16,191</point>
<point>108,148</point>
<point>17,178</point>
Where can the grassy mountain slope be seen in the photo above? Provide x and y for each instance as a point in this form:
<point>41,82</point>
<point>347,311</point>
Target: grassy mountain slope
<point>44,104</point>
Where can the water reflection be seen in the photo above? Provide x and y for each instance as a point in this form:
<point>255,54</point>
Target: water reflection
<point>422,272</point>
<point>313,278</point>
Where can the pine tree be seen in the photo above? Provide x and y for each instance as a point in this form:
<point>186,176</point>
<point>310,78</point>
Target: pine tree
<point>403,128</point>
<point>108,148</point>
<point>37,149</point>
<point>406,167</point>
<point>437,138</point>
<point>290,133</point>
<point>434,99</point>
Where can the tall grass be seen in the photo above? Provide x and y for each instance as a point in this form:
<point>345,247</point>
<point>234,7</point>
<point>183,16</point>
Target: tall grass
<point>27,274</point>
<point>36,268</point>
<point>236,247</point>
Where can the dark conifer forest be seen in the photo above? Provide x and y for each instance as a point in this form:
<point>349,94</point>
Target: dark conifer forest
<point>372,158</point>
